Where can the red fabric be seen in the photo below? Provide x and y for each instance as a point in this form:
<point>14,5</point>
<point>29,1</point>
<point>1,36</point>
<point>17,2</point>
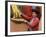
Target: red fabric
<point>35,24</point>
<point>35,21</point>
<point>27,10</point>
<point>26,17</point>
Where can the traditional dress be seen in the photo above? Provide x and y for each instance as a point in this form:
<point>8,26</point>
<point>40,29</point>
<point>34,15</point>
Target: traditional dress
<point>32,23</point>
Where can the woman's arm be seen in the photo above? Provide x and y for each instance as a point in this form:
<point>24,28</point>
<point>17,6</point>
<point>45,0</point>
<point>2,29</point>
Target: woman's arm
<point>34,22</point>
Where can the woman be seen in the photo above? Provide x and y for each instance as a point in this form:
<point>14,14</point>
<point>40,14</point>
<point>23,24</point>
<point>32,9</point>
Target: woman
<point>33,23</point>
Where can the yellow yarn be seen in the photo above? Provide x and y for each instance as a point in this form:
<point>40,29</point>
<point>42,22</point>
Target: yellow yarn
<point>16,11</point>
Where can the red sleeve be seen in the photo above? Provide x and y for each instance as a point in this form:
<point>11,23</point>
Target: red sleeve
<point>26,17</point>
<point>35,22</point>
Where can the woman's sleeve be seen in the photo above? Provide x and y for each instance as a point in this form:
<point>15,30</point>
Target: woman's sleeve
<point>26,17</point>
